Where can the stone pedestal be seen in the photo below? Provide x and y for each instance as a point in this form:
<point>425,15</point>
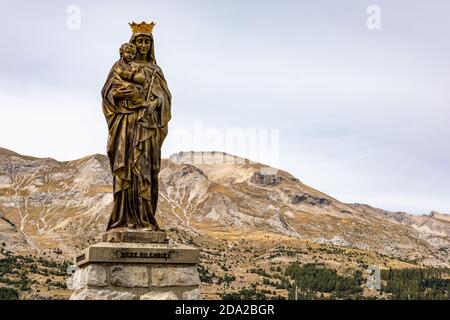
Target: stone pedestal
<point>138,270</point>
<point>135,236</point>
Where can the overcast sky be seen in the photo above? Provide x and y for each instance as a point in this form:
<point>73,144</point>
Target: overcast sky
<point>360,114</point>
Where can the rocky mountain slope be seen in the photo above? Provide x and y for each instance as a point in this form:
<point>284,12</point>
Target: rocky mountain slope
<point>45,204</point>
<point>210,198</point>
<point>434,223</point>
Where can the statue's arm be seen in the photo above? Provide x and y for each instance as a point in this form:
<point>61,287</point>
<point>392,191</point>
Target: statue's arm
<point>114,76</point>
<point>122,93</point>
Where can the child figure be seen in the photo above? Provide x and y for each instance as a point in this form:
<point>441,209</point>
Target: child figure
<point>127,78</point>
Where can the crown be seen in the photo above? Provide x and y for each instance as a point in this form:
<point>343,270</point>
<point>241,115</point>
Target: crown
<point>142,27</point>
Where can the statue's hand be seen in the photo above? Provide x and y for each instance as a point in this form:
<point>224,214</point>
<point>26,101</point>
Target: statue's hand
<point>151,106</point>
<point>157,101</point>
<point>135,68</point>
<point>123,93</point>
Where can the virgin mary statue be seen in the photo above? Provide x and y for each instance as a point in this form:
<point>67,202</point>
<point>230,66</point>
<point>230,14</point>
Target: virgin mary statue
<point>136,132</point>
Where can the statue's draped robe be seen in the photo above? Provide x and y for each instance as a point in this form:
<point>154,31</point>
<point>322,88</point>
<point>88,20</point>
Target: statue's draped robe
<point>134,151</point>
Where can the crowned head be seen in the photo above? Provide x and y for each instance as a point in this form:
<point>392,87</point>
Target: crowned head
<point>142,28</point>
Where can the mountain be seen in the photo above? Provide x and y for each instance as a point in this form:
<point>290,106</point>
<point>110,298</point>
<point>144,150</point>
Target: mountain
<point>222,203</point>
<point>434,223</point>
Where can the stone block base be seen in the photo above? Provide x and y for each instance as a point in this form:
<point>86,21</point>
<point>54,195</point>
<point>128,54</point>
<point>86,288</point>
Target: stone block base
<point>136,271</point>
<point>130,235</point>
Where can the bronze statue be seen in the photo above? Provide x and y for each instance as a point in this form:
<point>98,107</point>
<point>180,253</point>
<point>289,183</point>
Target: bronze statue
<point>137,107</point>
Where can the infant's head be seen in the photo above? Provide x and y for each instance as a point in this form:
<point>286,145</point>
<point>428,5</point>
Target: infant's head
<point>128,51</point>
